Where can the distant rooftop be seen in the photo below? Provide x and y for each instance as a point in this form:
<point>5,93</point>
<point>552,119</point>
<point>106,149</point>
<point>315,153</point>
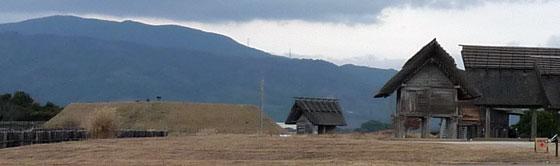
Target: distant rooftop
<point>545,60</point>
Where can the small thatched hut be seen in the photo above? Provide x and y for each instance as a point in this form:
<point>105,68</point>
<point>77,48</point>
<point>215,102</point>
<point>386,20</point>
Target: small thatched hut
<point>316,115</point>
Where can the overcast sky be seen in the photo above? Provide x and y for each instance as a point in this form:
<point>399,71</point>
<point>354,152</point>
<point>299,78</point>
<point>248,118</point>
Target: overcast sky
<point>376,33</point>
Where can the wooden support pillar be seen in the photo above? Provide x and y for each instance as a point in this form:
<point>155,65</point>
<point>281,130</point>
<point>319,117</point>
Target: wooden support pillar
<point>396,126</point>
<point>402,123</point>
<point>5,139</point>
<point>425,127</point>
<point>487,127</point>
<point>442,128</point>
<point>533,124</point>
<point>400,130</point>
<point>556,119</point>
<point>452,128</point>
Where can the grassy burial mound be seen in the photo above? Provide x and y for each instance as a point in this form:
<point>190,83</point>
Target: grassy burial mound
<point>176,117</point>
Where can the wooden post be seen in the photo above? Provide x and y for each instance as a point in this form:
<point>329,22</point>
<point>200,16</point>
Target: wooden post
<point>533,124</point>
<point>49,137</point>
<point>487,127</point>
<point>556,143</point>
<point>425,127</point>
<point>22,138</point>
<point>5,140</point>
<point>400,128</point>
<point>452,128</point>
<point>557,118</point>
<point>398,121</point>
<point>442,128</point>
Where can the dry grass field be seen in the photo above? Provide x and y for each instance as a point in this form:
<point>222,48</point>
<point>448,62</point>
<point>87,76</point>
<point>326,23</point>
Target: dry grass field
<point>219,149</point>
<point>176,117</point>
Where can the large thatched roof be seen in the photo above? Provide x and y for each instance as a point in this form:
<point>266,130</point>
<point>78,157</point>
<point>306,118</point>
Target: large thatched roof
<point>320,111</point>
<point>507,88</point>
<point>551,85</point>
<point>514,76</point>
<point>547,60</point>
<point>435,54</point>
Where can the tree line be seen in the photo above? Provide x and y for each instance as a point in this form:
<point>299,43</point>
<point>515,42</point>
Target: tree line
<point>547,124</point>
<point>20,106</point>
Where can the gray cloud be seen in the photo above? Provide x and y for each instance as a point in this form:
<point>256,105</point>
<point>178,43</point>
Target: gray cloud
<point>345,11</point>
<point>553,41</point>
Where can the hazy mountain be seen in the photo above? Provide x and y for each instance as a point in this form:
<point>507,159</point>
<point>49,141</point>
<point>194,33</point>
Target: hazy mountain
<point>69,59</point>
<point>169,36</point>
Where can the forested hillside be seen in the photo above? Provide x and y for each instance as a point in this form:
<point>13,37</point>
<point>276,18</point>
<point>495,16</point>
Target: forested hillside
<point>70,59</point>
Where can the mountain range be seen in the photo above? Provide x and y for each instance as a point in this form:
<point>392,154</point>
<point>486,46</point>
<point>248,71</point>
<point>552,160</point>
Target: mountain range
<point>67,59</point>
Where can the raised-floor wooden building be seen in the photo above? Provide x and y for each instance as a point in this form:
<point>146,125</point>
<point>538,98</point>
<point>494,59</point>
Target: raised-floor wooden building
<point>428,86</point>
<point>513,80</point>
<point>316,115</point>
<point>477,101</point>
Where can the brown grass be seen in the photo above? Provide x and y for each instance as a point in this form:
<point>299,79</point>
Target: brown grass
<point>348,149</point>
<point>103,123</point>
<point>177,117</point>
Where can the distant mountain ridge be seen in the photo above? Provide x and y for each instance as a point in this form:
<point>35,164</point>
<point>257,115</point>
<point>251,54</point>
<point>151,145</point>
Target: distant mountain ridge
<point>131,31</point>
<point>70,59</point>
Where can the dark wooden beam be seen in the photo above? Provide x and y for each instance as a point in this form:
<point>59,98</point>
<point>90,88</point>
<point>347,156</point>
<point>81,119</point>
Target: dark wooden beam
<point>533,124</point>
<point>426,126</point>
<point>487,128</point>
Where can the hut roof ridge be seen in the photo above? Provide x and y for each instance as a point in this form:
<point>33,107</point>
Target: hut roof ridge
<point>434,52</point>
<point>320,111</point>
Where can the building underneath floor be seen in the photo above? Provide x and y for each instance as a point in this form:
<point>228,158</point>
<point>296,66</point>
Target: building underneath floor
<point>316,115</point>
<point>475,102</point>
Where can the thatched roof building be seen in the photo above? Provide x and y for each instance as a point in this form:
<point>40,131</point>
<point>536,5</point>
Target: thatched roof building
<point>519,77</point>
<point>432,53</point>
<point>428,86</point>
<point>325,113</point>
<point>497,82</point>
<point>551,85</point>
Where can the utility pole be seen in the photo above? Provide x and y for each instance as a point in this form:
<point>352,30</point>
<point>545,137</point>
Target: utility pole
<point>261,92</point>
<point>290,53</point>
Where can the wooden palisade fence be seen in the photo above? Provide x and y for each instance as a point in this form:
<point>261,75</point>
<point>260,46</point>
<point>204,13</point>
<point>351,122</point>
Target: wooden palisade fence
<point>20,125</point>
<point>13,138</point>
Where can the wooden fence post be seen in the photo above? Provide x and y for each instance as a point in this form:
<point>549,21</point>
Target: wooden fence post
<point>21,138</point>
<point>533,124</point>
<point>4,139</point>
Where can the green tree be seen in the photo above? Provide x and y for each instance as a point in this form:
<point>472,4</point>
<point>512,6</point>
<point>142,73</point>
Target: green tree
<point>546,124</point>
<point>5,97</point>
<point>372,126</point>
<point>22,99</point>
<point>21,107</point>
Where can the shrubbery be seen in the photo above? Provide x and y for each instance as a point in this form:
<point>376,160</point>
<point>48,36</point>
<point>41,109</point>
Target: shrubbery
<point>19,106</point>
<point>103,123</point>
<point>372,126</point>
<point>546,124</point>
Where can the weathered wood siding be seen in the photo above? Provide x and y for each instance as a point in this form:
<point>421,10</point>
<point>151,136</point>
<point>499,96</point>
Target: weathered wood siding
<point>428,92</point>
<point>470,113</point>
<point>304,126</point>
<point>443,101</point>
<point>430,76</point>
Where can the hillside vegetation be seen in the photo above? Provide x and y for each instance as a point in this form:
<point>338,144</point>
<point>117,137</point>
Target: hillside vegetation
<point>71,59</point>
<point>20,106</point>
<point>176,117</point>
